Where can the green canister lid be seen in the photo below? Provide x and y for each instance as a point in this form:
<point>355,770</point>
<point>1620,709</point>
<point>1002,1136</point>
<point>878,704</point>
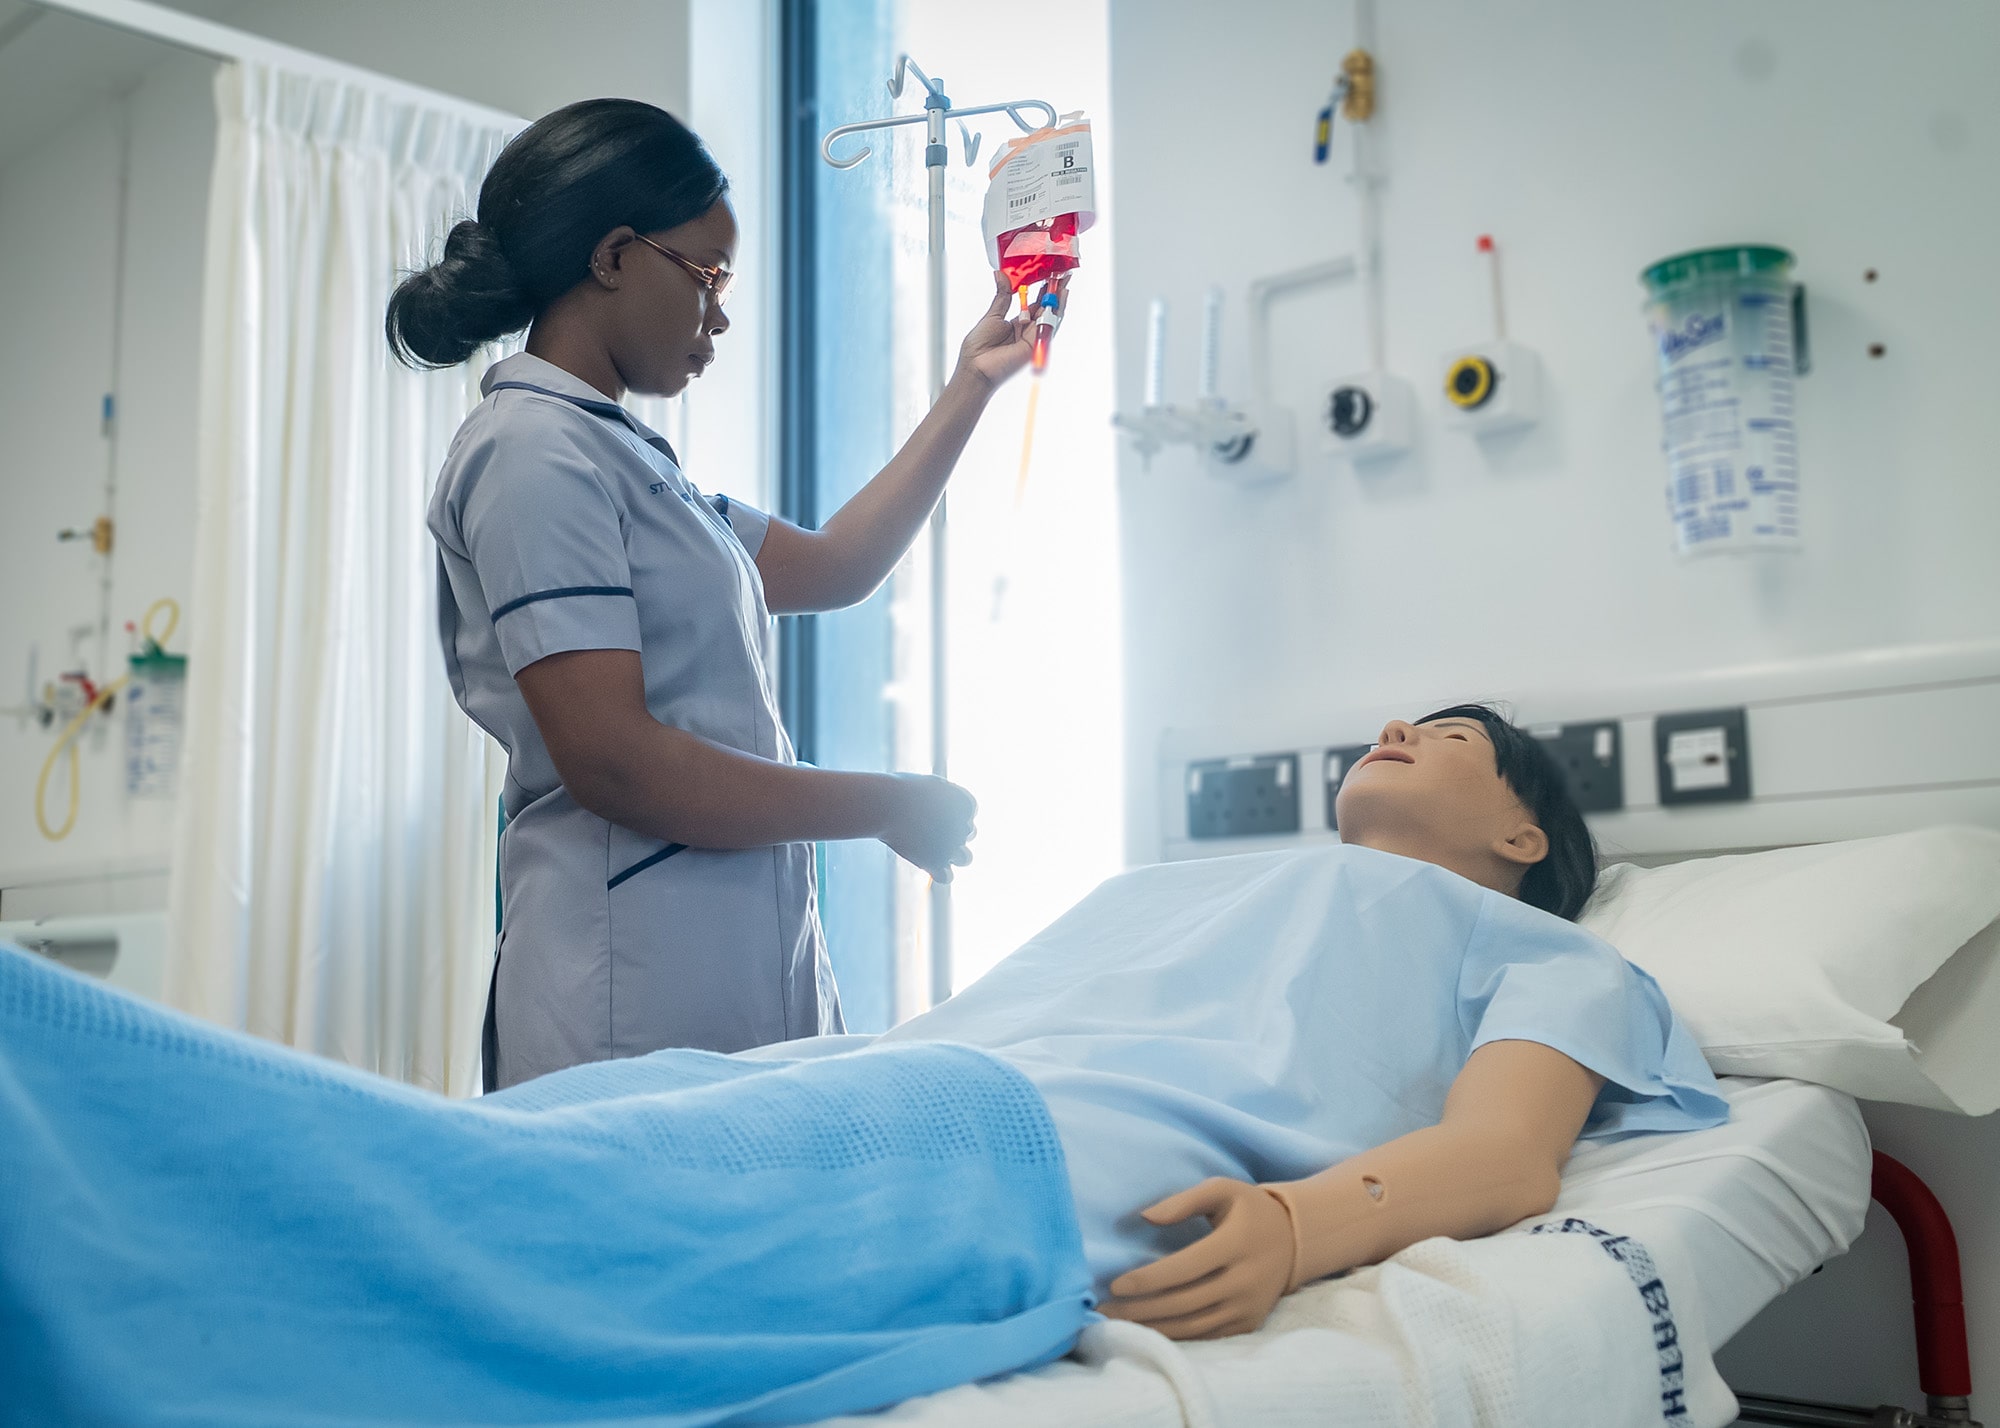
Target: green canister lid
<point>156,662</point>
<point>1740,261</point>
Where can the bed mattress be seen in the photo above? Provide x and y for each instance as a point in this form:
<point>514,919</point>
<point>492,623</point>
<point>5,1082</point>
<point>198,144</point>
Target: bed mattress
<point>1735,1215</point>
<point>1752,1206</point>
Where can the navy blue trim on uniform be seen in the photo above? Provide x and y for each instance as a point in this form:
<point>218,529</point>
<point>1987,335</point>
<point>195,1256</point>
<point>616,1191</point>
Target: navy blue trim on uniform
<point>645,863</point>
<point>590,404</point>
<point>565,592</point>
<point>610,411</point>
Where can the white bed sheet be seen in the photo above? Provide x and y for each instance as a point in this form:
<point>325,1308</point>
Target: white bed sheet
<point>1752,1206</point>
<point>1736,1214</point>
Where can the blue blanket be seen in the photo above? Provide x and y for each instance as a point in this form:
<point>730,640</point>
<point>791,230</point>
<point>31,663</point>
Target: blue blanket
<point>201,1228</point>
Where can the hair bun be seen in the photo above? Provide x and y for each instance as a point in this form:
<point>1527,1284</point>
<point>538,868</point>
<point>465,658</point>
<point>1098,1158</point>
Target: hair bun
<point>442,315</point>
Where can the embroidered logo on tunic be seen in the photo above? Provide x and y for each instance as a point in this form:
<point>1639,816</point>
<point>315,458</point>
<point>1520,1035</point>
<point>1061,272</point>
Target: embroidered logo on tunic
<point>658,488</point>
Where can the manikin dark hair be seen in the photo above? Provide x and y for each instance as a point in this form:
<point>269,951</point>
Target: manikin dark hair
<point>1561,882</point>
<point>561,184</point>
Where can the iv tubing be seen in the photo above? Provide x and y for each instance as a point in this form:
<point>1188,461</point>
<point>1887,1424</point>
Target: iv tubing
<point>1027,442</point>
<point>66,740</point>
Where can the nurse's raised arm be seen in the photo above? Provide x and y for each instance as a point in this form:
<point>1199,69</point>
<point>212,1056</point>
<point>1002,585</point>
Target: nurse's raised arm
<point>848,558</point>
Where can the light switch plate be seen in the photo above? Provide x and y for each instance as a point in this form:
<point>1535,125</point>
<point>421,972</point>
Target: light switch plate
<point>1703,756</point>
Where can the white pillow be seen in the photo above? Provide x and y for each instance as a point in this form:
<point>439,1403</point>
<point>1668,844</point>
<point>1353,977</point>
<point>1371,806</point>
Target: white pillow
<point>1871,966</point>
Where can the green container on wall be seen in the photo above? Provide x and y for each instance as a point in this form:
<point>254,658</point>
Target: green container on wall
<point>1728,330</point>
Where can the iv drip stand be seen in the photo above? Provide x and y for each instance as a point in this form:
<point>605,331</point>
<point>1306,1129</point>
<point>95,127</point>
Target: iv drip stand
<point>937,109</point>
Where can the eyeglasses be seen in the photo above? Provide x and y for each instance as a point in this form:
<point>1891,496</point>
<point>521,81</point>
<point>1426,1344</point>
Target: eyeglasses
<point>716,280</point>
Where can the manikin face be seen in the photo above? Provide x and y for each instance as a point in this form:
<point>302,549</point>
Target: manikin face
<point>1434,791</point>
<point>665,320</point>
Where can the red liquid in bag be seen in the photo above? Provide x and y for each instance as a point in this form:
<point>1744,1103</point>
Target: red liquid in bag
<point>1038,252</point>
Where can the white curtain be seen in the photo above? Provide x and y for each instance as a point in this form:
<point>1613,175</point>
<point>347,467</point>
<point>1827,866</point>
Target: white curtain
<point>333,871</point>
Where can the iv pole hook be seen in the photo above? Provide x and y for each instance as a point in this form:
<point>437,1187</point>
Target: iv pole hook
<point>933,89</point>
<point>904,64</point>
<point>842,131</point>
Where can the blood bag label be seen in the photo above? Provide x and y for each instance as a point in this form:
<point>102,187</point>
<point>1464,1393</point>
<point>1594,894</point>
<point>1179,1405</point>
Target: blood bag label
<point>1037,177</point>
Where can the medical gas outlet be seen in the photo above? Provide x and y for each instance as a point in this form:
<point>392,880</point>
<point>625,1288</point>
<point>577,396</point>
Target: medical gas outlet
<point>1491,388</point>
<point>1245,443</point>
<point>1368,417</point>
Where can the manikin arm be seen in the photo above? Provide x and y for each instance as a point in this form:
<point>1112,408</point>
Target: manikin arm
<point>1496,1157</point>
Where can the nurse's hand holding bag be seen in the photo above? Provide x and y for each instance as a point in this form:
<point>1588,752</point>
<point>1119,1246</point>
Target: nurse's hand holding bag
<point>606,621</point>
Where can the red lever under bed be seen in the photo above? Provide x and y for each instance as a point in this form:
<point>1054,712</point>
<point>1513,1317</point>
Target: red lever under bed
<point>1944,1366</point>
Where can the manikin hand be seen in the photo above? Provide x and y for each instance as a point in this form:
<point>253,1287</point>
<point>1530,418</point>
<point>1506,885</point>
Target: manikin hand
<point>1496,1157</point>
<point>1225,1283</point>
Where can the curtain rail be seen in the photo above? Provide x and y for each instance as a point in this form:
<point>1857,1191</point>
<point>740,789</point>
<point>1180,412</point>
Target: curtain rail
<point>206,37</point>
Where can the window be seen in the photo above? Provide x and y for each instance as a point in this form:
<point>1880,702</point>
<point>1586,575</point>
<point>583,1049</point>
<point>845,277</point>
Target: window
<point>1032,691</point>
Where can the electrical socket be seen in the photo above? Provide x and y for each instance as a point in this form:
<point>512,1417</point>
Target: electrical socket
<point>1244,797</point>
<point>1339,760</point>
<point>1591,759</point>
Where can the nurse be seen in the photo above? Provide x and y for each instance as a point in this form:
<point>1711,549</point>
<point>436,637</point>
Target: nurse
<point>606,622</point>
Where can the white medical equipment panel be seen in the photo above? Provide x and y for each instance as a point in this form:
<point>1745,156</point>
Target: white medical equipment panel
<point>1847,746</point>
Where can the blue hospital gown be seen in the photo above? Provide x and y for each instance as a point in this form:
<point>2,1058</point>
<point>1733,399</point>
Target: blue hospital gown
<point>1266,1016</point>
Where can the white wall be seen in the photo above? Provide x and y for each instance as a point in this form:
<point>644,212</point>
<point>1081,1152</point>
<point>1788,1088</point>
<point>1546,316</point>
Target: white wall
<point>523,56</point>
<point>1590,139</point>
<point>57,206</point>
<point>58,239</point>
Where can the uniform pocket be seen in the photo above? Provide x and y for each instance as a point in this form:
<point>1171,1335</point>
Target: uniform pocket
<point>692,933</point>
<point>651,860</point>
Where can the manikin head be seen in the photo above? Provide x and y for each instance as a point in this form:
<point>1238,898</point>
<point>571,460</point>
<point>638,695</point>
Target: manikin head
<point>604,224</point>
<point>1467,790</point>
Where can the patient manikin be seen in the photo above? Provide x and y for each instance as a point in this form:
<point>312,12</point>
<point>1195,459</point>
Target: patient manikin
<point>1209,1083</point>
<point>1273,1068</point>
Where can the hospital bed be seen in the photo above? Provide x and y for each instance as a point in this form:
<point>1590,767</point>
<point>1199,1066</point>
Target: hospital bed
<point>1732,1217</point>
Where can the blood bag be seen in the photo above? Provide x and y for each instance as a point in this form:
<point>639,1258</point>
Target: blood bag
<point>1042,194</point>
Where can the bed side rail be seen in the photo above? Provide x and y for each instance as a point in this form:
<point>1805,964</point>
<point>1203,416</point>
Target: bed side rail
<point>1937,1295</point>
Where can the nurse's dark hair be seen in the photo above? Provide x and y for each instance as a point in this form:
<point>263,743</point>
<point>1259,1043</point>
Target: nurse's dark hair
<point>558,187</point>
<point>1561,882</point>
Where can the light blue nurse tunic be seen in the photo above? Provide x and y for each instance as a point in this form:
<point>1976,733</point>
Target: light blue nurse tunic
<point>563,523</point>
